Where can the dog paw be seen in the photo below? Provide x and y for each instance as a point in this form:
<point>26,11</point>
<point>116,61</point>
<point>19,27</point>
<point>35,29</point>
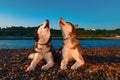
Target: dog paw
<point>29,69</point>
<point>45,67</point>
<point>31,56</point>
<point>63,67</point>
<point>74,67</point>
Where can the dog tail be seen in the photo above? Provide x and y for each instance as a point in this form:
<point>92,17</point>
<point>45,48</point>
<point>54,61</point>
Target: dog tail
<point>31,56</point>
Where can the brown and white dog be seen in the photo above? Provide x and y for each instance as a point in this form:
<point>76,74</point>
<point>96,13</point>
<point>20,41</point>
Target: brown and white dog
<point>42,48</point>
<point>71,46</point>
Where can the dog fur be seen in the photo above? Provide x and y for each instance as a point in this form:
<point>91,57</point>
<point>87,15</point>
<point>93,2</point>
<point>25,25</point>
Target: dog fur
<point>42,48</point>
<point>71,46</point>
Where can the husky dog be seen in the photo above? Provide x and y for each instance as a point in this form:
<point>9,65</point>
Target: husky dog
<point>42,48</point>
<point>71,46</point>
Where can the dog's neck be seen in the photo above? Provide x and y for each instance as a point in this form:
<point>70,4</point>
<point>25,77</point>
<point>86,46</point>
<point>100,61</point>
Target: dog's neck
<point>40,42</point>
<point>44,39</point>
<point>71,37</point>
<point>38,47</point>
<point>70,42</point>
<point>66,38</point>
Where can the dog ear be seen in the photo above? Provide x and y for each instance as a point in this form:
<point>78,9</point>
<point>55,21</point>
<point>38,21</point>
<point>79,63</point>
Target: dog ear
<point>75,26</point>
<point>36,35</point>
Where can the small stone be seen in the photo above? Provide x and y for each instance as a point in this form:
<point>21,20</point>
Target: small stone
<point>4,64</point>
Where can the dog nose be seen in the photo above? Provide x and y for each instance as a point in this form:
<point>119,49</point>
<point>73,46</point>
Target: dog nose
<point>47,20</point>
<point>61,18</point>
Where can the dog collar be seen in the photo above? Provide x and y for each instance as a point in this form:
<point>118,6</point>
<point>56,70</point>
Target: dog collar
<point>65,38</point>
<point>42,44</point>
<point>46,42</point>
<point>39,49</point>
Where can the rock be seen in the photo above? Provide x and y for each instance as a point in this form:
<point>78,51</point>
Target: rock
<point>101,63</point>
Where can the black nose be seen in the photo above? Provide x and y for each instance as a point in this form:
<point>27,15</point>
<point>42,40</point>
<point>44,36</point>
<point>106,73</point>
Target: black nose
<point>47,20</point>
<point>61,18</point>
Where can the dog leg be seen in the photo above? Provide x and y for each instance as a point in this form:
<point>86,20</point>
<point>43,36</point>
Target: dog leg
<point>36,59</point>
<point>79,62</point>
<point>31,56</point>
<point>65,59</point>
<point>50,62</point>
<point>64,63</point>
<point>76,65</point>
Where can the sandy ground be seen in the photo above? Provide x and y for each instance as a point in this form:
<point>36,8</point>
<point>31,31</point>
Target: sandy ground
<point>101,64</point>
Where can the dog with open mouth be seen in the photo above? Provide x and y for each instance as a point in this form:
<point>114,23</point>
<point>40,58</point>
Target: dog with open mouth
<point>42,48</point>
<point>71,46</point>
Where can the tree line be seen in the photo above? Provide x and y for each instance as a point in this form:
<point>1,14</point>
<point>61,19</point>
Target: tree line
<point>81,32</point>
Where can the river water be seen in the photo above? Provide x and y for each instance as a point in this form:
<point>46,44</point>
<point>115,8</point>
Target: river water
<point>16,44</point>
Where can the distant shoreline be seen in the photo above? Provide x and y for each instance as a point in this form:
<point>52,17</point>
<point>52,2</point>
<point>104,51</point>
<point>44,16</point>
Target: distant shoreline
<point>59,38</point>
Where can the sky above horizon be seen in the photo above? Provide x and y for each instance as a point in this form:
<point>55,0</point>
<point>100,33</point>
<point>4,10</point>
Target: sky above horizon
<point>98,14</point>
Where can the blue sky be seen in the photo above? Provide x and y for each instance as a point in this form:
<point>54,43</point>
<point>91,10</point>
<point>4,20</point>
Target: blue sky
<point>99,14</point>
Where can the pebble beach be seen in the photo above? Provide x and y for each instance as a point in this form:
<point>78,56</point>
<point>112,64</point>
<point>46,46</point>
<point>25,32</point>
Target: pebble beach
<point>101,64</point>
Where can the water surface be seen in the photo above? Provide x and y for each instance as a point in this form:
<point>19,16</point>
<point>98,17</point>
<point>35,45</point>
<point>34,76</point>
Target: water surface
<point>15,44</point>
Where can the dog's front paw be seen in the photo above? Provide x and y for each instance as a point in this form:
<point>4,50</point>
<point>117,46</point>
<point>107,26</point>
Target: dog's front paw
<point>77,65</point>
<point>63,67</point>
<point>45,67</point>
<point>74,67</point>
<point>29,69</point>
